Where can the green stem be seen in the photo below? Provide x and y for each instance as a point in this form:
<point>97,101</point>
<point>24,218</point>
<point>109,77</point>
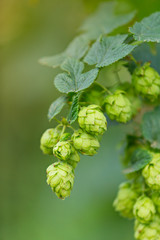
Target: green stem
<point>57,120</point>
<point>63,130</point>
<point>133,59</point>
<point>105,89</point>
<point>71,128</point>
<point>136,43</point>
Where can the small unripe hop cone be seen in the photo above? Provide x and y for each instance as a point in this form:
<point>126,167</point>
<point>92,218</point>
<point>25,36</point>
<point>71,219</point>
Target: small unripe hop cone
<point>146,81</point>
<point>66,152</point>
<point>126,198</point>
<point>144,209</point>
<point>149,231</point>
<point>151,172</point>
<point>118,107</point>
<point>92,120</point>
<point>156,200</point>
<point>60,176</point>
<point>85,143</point>
<point>62,150</point>
<point>48,140</point>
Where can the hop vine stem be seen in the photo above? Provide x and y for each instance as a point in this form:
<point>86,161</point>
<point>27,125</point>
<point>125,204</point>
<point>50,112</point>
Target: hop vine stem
<point>105,89</point>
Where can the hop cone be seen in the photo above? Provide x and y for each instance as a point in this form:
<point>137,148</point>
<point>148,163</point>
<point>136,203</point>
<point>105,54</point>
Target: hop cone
<point>93,96</point>
<point>85,143</point>
<point>156,200</point>
<point>92,120</point>
<point>144,209</point>
<point>62,150</point>
<point>146,81</point>
<point>66,152</point>
<point>151,172</point>
<point>60,176</point>
<point>118,107</point>
<point>126,198</point>
<point>48,140</point>
<point>149,231</point>
<point>74,158</point>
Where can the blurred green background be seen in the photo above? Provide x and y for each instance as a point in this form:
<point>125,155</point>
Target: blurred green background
<point>29,210</point>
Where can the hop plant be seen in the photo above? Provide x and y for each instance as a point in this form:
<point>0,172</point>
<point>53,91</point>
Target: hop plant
<point>92,120</point>
<point>81,88</point>
<point>144,209</point>
<point>118,107</point>
<point>149,231</point>
<point>146,81</point>
<point>60,176</point>
<point>126,198</point>
<point>48,140</point>
<point>151,172</point>
<point>85,143</point>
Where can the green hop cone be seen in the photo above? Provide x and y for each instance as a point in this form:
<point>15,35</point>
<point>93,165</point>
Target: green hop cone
<point>151,172</point>
<point>60,176</point>
<point>85,143</point>
<point>48,140</point>
<point>126,198</point>
<point>149,231</point>
<point>74,158</point>
<point>93,96</point>
<point>144,209</point>
<point>65,151</point>
<point>136,104</point>
<point>62,150</point>
<point>118,107</point>
<point>92,120</point>
<point>146,81</point>
<point>46,150</point>
<point>156,200</point>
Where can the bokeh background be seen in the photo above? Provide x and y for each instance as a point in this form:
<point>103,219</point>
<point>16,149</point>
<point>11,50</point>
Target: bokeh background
<point>30,29</point>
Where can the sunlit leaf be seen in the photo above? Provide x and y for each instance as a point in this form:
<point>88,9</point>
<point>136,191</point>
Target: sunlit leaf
<point>107,50</point>
<point>74,80</point>
<point>56,107</point>
<point>77,48</point>
<point>105,20</point>
<point>139,159</point>
<point>148,30</point>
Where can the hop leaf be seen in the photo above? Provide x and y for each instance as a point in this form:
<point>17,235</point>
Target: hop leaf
<point>118,107</point>
<point>85,143</point>
<point>105,20</point>
<point>74,80</point>
<point>56,107</point>
<point>92,120</point>
<point>107,50</point>
<point>144,209</point>
<point>60,176</point>
<point>76,49</point>
<point>151,126</point>
<point>148,30</point>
